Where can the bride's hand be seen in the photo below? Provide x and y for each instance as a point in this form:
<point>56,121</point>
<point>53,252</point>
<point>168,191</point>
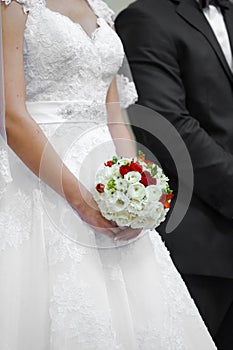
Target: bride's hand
<point>90,213</point>
<point>127,233</point>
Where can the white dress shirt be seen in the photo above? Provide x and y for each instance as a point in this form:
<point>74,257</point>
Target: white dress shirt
<point>215,18</point>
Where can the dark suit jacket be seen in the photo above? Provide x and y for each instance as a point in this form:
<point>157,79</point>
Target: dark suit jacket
<point>181,72</point>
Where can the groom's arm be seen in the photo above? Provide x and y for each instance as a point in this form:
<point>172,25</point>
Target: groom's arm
<point>153,59</point>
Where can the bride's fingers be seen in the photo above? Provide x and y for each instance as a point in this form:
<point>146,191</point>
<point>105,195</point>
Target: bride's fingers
<point>116,230</point>
<point>131,236</point>
<point>108,228</point>
<point>113,223</point>
<point>106,232</point>
<point>128,234</point>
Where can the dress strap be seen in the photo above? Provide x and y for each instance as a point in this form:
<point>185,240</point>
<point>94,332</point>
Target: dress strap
<point>102,10</point>
<point>27,4</point>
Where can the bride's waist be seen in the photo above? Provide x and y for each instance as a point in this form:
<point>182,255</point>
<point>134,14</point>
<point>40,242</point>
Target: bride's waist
<point>82,111</point>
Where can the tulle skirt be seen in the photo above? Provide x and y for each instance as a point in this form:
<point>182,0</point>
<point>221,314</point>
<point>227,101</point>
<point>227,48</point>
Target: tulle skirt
<point>64,286</point>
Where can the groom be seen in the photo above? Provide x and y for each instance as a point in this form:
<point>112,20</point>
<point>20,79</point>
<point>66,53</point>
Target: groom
<point>180,52</point>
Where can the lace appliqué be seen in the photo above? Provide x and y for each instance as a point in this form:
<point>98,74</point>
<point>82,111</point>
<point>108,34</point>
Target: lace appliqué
<point>177,291</point>
<point>26,3</point>
<point>115,273</point>
<point>149,335</point>
<point>74,313</point>
<point>60,248</point>
<point>5,174</point>
<point>15,221</point>
<point>101,9</point>
<point>85,144</point>
<point>177,301</point>
<point>127,91</point>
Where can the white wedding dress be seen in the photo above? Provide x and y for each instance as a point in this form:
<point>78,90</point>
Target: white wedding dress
<point>62,285</point>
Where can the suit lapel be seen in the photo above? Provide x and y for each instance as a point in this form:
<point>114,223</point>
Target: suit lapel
<point>228,16</point>
<point>190,12</point>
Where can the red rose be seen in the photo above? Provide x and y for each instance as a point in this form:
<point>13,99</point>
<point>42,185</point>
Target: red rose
<point>109,163</point>
<point>135,166</point>
<point>124,169</point>
<point>145,179</point>
<point>100,188</point>
<point>163,198</point>
<point>152,181</point>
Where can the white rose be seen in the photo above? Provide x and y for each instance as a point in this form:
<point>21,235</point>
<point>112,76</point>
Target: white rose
<point>121,184</point>
<point>158,210</point>
<point>135,206</point>
<point>138,223</point>
<point>104,175</point>
<point>123,218</point>
<point>153,192</point>
<point>118,202</point>
<point>160,172</point>
<point>162,181</point>
<point>115,171</point>
<point>163,214</point>
<point>132,177</point>
<point>148,208</point>
<point>123,161</point>
<point>149,223</point>
<point>152,210</point>
<point>136,191</point>
<point>122,222</point>
<point>109,216</point>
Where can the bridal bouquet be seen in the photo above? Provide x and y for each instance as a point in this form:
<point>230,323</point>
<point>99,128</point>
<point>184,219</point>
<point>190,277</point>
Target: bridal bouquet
<point>132,192</point>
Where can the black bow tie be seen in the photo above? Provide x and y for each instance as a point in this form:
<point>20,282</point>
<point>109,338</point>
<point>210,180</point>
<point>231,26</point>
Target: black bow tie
<point>222,4</point>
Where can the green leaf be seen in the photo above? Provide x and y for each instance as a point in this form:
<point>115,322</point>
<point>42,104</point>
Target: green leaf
<point>111,185</point>
<point>154,170</point>
<point>168,190</point>
<point>141,154</point>
<point>149,166</point>
<point>114,160</point>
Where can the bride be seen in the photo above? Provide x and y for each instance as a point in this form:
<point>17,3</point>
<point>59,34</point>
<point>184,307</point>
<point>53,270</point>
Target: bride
<point>65,282</point>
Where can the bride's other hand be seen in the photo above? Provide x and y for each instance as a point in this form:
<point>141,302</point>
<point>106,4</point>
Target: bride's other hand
<point>127,233</point>
<point>90,213</point>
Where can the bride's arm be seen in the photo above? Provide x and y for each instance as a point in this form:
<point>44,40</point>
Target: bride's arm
<point>26,138</point>
<point>123,140</point>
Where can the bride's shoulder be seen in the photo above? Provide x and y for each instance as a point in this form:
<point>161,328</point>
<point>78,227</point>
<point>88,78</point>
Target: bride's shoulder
<point>103,10</point>
<point>26,4</point>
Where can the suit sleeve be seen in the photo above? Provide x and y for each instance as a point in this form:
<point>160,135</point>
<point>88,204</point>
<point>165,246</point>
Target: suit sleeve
<point>154,61</point>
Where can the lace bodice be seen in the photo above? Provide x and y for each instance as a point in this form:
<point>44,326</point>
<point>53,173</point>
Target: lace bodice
<point>62,62</point>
